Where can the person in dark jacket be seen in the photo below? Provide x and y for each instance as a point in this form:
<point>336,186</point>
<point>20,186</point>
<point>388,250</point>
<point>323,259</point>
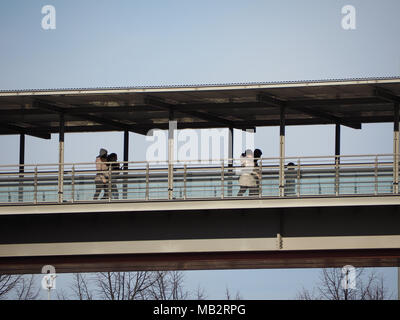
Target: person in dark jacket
<point>290,179</point>
<point>114,167</point>
<point>257,172</point>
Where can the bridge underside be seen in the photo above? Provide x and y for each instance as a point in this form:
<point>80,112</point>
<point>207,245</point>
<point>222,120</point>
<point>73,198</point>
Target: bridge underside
<point>224,238</point>
<point>205,261</point>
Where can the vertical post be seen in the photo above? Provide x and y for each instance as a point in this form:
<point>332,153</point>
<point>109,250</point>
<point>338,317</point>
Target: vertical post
<point>230,162</point>
<point>282,152</point>
<point>73,183</point>
<point>337,157</point>
<point>172,126</point>
<point>396,149</point>
<point>298,177</point>
<point>337,141</point>
<point>376,175</point>
<point>184,181</point>
<point>147,182</point>
<point>222,179</point>
<point>61,159</point>
<point>21,167</point>
<point>125,167</point>
<point>35,182</point>
<point>260,182</point>
<point>109,183</point>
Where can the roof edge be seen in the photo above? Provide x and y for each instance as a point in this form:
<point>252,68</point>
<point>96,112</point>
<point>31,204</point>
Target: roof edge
<point>200,87</point>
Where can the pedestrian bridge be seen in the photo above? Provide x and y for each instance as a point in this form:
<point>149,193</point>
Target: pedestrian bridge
<point>316,212</point>
<point>332,211</point>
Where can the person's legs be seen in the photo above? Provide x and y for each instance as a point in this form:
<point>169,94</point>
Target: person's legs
<point>106,193</point>
<point>242,190</point>
<point>98,190</point>
<point>114,191</point>
<point>253,191</point>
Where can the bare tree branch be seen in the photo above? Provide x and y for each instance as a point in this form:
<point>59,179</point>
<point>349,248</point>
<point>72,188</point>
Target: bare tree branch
<point>330,287</point>
<point>26,288</point>
<point>228,295</point>
<point>7,284</point>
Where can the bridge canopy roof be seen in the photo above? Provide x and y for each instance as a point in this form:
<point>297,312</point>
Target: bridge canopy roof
<point>349,102</point>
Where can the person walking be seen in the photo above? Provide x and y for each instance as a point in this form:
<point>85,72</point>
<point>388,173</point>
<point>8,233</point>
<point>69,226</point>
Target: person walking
<point>114,167</point>
<point>100,179</point>
<point>290,180</point>
<point>257,173</point>
<point>247,179</point>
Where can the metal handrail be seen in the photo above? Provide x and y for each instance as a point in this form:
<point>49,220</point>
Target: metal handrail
<point>374,174</point>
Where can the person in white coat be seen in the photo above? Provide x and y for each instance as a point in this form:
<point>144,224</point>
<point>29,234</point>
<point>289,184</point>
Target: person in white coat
<point>247,179</point>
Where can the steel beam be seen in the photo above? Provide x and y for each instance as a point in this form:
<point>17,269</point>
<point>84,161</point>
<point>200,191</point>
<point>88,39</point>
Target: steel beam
<point>52,107</point>
<point>20,130</point>
<point>275,102</point>
<point>200,115</point>
<point>386,95</point>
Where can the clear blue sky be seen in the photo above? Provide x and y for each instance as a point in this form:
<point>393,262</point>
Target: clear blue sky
<point>127,43</point>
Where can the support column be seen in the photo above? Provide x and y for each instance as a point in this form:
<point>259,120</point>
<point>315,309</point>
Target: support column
<point>337,157</point>
<point>61,160</point>
<point>337,140</point>
<point>230,162</point>
<point>396,149</point>
<point>282,152</point>
<point>172,126</point>
<point>21,167</point>
<point>125,166</point>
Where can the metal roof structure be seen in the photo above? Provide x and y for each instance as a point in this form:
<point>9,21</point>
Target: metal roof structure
<point>348,102</point>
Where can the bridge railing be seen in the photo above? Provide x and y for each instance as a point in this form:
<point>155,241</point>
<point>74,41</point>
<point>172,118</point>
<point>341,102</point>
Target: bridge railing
<point>214,179</point>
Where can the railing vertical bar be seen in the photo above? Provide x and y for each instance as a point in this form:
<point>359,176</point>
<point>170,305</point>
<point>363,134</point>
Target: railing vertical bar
<point>222,180</point>
<point>260,190</point>
<point>147,182</point>
<point>184,181</point>
<point>376,175</point>
<point>298,177</point>
<point>337,175</point>
<point>73,184</point>
<point>35,186</point>
<point>109,182</point>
